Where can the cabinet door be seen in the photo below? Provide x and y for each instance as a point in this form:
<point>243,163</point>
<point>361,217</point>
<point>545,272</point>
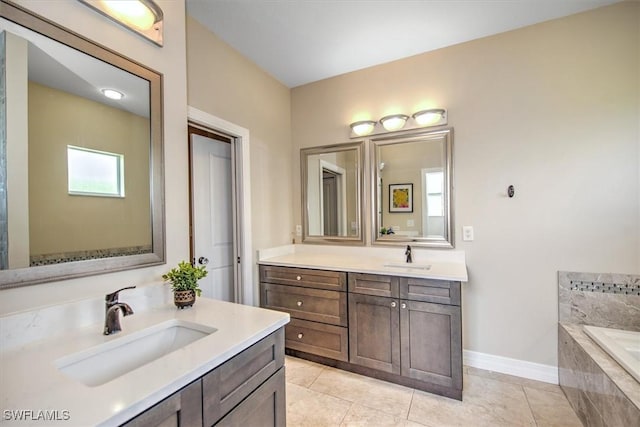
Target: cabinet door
<point>266,406</point>
<point>181,409</point>
<point>374,335</point>
<point>431,343</point>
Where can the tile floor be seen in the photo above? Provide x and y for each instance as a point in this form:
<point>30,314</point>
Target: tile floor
<point>321,396</point>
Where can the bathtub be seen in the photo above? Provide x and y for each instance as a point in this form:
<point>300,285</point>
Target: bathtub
<point>623,346</point>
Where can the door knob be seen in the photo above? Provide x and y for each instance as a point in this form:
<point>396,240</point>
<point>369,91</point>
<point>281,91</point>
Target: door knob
<point>203,260</point>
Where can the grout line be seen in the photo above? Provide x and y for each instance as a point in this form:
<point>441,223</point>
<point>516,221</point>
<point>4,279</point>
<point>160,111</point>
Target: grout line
<point>526,396</point>
<point>345,414</point>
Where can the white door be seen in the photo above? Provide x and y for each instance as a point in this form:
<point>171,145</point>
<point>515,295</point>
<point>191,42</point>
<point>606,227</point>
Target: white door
<point>212,215</point>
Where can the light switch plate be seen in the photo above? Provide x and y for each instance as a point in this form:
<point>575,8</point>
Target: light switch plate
<point>467,233</point>
<point>298,230</point>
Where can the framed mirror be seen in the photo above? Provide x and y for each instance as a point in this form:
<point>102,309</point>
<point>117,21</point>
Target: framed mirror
<point>412,189</point>
<point>81,174</point>
<point>332,193</point>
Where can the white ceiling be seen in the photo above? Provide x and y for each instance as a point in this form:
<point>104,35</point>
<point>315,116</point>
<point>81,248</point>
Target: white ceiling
<point>302,41</point>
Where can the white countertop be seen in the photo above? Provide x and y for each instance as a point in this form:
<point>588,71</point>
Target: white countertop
<point>443,266</point>
<point>29,380</point>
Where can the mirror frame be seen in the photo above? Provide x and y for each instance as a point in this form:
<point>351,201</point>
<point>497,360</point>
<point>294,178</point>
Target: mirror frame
<point>55,272</point>
<point>344,240</point>
<point>446,133</point>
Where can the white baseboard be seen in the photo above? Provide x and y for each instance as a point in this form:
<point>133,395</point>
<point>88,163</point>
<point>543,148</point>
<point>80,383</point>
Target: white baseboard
<point>506,365</point>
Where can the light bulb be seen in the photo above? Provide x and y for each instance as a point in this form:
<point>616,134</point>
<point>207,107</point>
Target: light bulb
<point>131,12</point>
<point>394,121</point>
<point>112,94</point>
<point>364,127</point>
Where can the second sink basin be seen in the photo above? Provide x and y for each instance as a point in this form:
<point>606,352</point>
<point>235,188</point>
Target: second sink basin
<point>409,266</point>
<point>103,363</point>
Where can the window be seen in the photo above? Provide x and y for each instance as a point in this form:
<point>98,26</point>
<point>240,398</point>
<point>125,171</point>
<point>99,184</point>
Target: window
<point>435,187</point>
<point>95,173</point>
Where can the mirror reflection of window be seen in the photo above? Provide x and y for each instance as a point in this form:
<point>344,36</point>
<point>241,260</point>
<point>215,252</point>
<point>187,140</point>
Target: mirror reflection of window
<point>433,202</point>
<point>95,173</point>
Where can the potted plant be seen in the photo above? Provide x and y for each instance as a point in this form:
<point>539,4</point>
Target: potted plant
<point>184,283</point>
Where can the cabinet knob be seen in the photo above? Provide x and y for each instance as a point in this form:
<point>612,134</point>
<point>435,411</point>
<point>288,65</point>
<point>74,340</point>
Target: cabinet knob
<point>404,305</point>
<point>300,335</point>
<point>299,303</point>
<point>298,278</point>
<point>393,304</point>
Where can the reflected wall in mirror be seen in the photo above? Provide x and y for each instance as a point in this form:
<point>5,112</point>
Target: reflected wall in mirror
<point>332,193</point>
<point>411,189</point>
<point>81,185</point>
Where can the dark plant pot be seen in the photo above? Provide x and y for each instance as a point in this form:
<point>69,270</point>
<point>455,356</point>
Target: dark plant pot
<point>184,299</point>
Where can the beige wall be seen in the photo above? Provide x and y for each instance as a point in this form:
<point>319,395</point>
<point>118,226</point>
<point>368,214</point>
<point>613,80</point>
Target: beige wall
<point>223,83</point>
<point>169,60</point>
<point>552,109</point>
<point>59,222</point>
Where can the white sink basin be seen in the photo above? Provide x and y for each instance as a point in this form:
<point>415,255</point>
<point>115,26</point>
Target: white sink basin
<point>105,362</point>
<point>409,266</point>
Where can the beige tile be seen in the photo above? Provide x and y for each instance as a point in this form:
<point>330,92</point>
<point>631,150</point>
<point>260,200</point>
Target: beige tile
<point>551,410</point>
<point>312,409</point>
<point>386,397</point>
<point>513,379</point>
<point>301,372</point>
<point>362,416</point>
<point>486,402</point>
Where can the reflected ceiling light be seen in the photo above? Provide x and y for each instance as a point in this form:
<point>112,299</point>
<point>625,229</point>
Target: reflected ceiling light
<point>428,117</point>
<point>394,121</point>
<point>363,127</point>
<point>112,94</point>
<point>144,17</point>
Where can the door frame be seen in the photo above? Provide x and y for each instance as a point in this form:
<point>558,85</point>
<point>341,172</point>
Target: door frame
<point>240,148</point>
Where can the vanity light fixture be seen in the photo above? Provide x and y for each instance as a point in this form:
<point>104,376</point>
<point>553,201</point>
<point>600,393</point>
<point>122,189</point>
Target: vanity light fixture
<point>363,127</point>
<point>429,117</point>
<point>394,122</point>
<point>112,94</point>
<point>144,17</point>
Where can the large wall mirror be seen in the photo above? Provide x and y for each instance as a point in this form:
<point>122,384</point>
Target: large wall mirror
<point>332,193</point>
<point>81,174</point>
<point>412,189</point>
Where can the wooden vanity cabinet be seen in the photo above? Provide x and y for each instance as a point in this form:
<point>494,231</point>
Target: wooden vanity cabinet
<point>248,389</point>
<point>415,330</point>
<point>316,300</point>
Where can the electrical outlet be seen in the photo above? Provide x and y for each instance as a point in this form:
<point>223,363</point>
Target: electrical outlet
<point>298,230</point>
<point>467,233</point>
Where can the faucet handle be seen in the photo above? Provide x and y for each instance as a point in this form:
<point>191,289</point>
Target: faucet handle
<point>113,296</point>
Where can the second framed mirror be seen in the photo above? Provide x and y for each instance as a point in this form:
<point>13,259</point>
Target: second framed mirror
<point>411,189</point>
<point>332,201</point>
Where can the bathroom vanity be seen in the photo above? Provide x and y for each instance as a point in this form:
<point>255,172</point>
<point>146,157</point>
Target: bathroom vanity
<point>354,309</point>
<point>226,368</point>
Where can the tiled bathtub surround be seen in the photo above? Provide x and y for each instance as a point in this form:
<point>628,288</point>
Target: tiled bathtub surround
<point>601,391</point>
<point>582,300</point>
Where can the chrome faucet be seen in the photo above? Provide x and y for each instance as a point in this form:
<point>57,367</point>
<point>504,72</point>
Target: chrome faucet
<point>111,308</point>
<point>408,254</point>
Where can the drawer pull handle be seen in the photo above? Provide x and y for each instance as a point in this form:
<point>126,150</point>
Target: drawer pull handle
<point>403,305</point>
<point>299,303</point>
<point>300,335</point>
<point>298,277</point>
<point>393,304</point>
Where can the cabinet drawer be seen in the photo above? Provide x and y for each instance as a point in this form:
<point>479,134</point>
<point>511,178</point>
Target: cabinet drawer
<point>318,305</point>
<point>308,278</point>
<point>428,290</point>
<point>318,338</point>
<point>373,284</point>
<point>228,384</point>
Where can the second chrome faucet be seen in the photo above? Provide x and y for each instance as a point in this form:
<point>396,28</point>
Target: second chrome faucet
<point>112,307</point>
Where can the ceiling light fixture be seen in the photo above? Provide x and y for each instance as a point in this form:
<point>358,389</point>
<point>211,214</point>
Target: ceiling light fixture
<point>363,127</point>
<point>428,117</point>
<point>112,94</point>
<point>144,17</point>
